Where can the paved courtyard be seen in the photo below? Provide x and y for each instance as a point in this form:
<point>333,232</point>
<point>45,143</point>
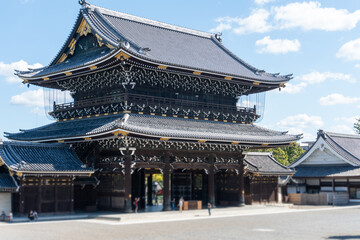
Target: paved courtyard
<point>236,223</point>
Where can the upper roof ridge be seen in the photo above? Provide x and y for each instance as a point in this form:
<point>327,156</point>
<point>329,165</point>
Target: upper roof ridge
<point>149,21</point>
<point>347,135</point>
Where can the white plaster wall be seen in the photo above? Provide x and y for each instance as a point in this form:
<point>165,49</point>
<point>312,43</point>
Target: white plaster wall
<point>5,202</point>
<point>324,157</point>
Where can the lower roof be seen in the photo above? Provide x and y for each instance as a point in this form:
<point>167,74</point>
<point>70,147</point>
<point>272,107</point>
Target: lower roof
<point>41,158</point>
<point>7,183</point>
<point>168,128</point>
<point>263,163</point>
<point>327,171</point>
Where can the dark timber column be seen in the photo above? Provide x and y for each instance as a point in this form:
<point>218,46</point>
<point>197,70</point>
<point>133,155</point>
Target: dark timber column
<point>21,197</point>
<point>72,196</point>
<point>39,196</point>
<point>128,188</point>
<point>241,192</point>
<point>149,193</point>
<point>166,201</point>
<point>211,181</point>
<point>56,202</point>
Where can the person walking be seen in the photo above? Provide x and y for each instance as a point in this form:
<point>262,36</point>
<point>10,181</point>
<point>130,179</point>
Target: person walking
<point>181,204</point>
<point>209,208</point>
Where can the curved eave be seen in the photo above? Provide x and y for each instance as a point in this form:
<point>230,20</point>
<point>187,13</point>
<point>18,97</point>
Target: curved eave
<point>119,132</point>
<point>120,54</point>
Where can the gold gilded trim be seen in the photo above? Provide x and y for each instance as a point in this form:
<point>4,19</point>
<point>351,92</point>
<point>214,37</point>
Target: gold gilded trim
<point>264,144</point>
<point>202,141</point>
<point>235,143</point>
<point>120,132</point>
<point>84,28</point>
<point>93,67</point>
<point>197,73</point>
<point>60,141</point>
<point>62,58</point>
<point>68,73</point>
<point>228,78</point>
<point>87,138</point>
<point>256,83</point>
<point>122,55</point>
<point>45,78</point>
<point>162,67</point>
<point>110,46</point>
<point>164,139</point>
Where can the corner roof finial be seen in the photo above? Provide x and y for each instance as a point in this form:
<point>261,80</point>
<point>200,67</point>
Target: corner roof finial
<point>83,3</point>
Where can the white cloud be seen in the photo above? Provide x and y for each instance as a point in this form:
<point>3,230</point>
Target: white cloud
<point>38,111</point>
<point>262,2</point>
<point>343,128</point>
<point>350,120</point>
<point>300,121</point>
<point>310,15</point>
<point>256,22</point>
<point>357,65</point>
<point>7,70</point>
<point>29,98</point>
<point>319,77</point>
<point>293,88</point>
<point>335,98</point>
<point>276,46</point>
<point>306,15</point>
<point>350,50</point>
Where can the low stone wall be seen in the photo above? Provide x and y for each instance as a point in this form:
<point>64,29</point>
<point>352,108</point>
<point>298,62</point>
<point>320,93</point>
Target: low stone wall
<point>340,198</point>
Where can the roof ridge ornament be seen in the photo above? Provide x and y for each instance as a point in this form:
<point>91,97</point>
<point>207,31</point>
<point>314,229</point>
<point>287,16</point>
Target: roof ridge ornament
<point>218,36</point>
<point>83,3</point>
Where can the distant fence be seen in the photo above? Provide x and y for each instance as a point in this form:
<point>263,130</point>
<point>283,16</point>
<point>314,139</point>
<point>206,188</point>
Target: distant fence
<point>340,198</point>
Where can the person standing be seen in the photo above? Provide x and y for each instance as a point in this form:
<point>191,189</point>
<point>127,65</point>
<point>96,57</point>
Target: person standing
<point>173,204</point>
<point>36,216</point>
<point>10,217</point>
<point>3,216</point>
<point>136,202</point>
<point>209,208</point>
<point>181,204</point>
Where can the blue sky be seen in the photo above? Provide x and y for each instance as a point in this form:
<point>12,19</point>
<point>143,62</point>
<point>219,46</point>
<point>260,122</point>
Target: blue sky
<point>317,41</point>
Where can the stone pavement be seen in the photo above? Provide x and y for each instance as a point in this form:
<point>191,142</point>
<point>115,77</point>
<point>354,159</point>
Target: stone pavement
<point>160,216</point>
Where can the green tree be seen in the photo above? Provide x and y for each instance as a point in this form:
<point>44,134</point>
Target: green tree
<point>284,155</point>
<point>357,126</point>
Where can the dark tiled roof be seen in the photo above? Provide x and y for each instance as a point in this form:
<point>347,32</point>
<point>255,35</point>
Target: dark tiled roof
<point>7,183</point>
<point>41,158</point>
<point>169,44</point>
<point>265,164</point>
<point>157,126</point>
<point>347,145</point>
<point>327,171</point>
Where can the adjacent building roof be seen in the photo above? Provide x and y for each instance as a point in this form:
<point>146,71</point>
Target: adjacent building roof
<point>41,158</point>
<point>327,171</point>
<point>158,43</point>
<point>7,183</point>
<point>169,128</point>
<point>345,146</point>
<point>265,164</point>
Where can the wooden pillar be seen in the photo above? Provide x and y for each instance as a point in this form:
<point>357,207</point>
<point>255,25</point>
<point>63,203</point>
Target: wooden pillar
<point>72,196</point>
<point>21,197</point>
<point>128,205</point>
<point>166,179</point>
<point>39,196</point>
<point>150,190</point>
<point>241,192</point>
<point>56,202</point>
<point>211,181</point>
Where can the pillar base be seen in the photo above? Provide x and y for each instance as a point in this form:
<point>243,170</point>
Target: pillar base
<point>166,208</point>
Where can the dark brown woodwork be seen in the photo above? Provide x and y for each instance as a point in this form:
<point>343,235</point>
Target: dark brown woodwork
<point>241,181</point>
<point>150,190</point>
<point>211,180</point>
<point>39,196</point>
<point>128,187</point>
<point>166,179</point>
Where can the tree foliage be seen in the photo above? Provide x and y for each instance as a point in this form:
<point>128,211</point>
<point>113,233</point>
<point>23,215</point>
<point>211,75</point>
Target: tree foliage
<point>357,126</point>
<point>284,155</point>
